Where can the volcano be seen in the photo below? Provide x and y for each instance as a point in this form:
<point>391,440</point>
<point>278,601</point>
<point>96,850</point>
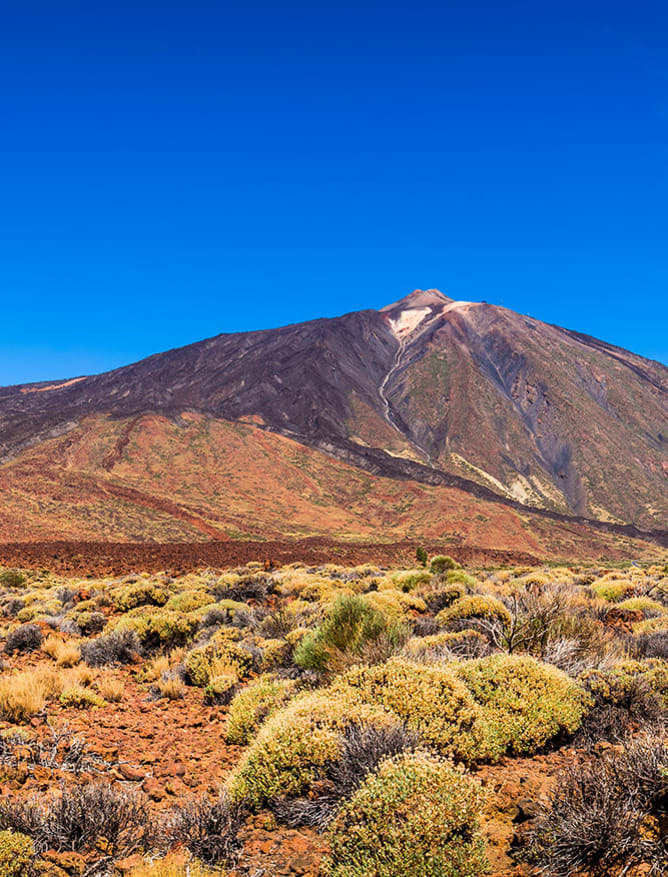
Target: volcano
<point>431,416</point>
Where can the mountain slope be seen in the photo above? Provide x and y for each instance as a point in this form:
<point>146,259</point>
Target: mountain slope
<point>546,416</point>
<point>467,396</point>
<point>149,478</point>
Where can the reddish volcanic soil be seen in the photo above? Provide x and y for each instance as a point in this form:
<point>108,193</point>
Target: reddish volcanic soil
<point>176,750</point>
<point>116,558</point>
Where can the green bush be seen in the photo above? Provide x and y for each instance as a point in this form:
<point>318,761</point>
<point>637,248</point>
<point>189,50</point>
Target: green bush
<point>524,702</point>
<point>254,704</point>
<point>16,854</point>
<point>415,816</point>
<point>442,563</point>
<point>459,577</point>
<point>353,632</point>
<point>12,578</point>
<point>430,699</point>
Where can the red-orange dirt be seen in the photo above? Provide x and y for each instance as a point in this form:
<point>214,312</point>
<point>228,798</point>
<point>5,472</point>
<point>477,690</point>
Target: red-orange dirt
<point>109,558</point>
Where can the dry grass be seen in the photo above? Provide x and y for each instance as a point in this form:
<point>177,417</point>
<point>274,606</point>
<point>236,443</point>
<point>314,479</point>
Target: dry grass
<point>111,689</point>
<point>161,664</point>
<point>172,689</point>
<point>21,696</point>
<point>155,668</point>
<point>222,667</point>
<point>25,693</point>
<point>175,867</point>
<point>65,654</point>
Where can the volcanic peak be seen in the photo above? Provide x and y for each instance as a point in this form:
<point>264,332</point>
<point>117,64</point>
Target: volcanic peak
<point>419,298</point>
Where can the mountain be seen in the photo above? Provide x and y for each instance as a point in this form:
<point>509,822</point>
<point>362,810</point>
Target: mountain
<point>301,429</point>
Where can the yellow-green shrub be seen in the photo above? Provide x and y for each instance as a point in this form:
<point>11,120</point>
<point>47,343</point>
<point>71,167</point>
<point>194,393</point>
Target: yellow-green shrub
<point>643,604</point>
<point>318,591</point>
<point>394,602</point>
<point>407,580</point>
<point>175,868</point>
<point>444,595</point>
<point>254,704</point>
<point>294,746</point>
<point>614,685</point>
<point>459,577</point>
<point>16,854</point>
<point>430,699</point>
<point>650,625</point>
<point>143,594</point>
<point>415,816</point>
<point>221,686</point>
<point>80,698</point>
<point>524,702</point>
<point>158,628</point>
<point>442,563</point>
<point>474,606</point>
<point>613,591</point>
<point>188,601</point>
<point>230,608</point>
<point>530,581</point>
<point>221,650</point>
<point>12,578</point>
<point>274,652</point>
<point>88,621</point>
<point>28,613</point>
<point>421,646</point>
<point>437,643</point>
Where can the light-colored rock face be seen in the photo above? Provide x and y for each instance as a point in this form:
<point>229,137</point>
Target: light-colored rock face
<point>408,320</point>
<point>420,307</point>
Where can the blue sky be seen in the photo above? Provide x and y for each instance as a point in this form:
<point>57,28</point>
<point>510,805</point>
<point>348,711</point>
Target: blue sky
<point>171,171</point>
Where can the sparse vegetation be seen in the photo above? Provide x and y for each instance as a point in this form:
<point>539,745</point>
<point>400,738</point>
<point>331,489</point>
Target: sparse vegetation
<point>325,699</point>
<point>94,816</point>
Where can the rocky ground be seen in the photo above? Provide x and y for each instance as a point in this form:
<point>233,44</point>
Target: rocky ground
<point>147,723</point>
<point>174,750</point>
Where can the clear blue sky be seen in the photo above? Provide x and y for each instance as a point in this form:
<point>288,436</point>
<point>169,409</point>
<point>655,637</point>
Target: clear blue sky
<point>171,171</point>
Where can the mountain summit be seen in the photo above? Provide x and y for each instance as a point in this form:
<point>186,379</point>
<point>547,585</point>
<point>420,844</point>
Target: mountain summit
<point>430,390</point>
